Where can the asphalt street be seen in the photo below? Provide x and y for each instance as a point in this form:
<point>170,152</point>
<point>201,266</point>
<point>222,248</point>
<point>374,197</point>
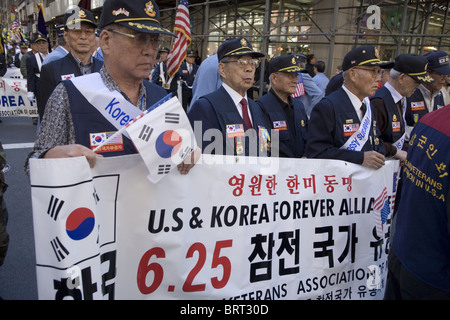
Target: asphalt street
<point>18,273</point>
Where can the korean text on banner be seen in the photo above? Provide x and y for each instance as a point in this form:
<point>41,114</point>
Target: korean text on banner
<point>307,231</point>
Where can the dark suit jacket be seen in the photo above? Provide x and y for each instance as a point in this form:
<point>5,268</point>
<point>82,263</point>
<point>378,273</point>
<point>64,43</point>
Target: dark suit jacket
<point>52,73</point>
<point>216,111</point>
<point>326,130</point>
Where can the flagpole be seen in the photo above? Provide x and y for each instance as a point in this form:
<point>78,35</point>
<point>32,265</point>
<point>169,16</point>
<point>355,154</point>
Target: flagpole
<point>121,130</point>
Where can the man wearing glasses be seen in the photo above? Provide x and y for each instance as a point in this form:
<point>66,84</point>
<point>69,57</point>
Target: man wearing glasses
<point>85,108</point>
<point>428,97</point>
<point>228,109</point>
<point>343,125</point>
<point>79,32</point>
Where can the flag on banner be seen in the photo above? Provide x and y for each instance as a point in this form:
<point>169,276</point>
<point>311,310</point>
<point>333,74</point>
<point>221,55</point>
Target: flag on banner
<point>300,90</point>
<point>163,137</point>
<point>182,30</point>
<point>381,210</point>
<point>17,32</point>
<point>41,26</point>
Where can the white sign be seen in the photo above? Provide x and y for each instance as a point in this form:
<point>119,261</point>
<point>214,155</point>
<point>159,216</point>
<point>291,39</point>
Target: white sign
<point>13,99</point>
<point>307,231</point>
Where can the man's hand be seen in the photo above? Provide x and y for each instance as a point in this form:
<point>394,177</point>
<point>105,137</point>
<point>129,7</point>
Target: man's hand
<point>190,161</point>
<point>373,159</point>
<point>401,155</point>
<point>73,150</point>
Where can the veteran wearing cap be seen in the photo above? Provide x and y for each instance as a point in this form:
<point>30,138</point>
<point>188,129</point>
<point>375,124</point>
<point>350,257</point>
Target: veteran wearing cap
<point>343,125</point>
<point>71,126</point>
<point>79,31</point>
<point>228,109</point>
<point>34,65</point>
<point>389,102</point>
<point>428,97</point>
<point>62,48</point>
<point>161,77</point>
<point>188,71</point>
<point>285,114</point>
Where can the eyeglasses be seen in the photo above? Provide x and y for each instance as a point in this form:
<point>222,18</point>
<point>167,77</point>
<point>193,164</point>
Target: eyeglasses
<point>376,72</point>
<point>244,62</point>
<point>78,32</point>
<point>141,39</point>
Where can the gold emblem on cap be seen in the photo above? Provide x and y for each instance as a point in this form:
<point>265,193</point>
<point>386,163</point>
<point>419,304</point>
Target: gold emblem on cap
<point>149,9</point>
<point>243,42</point>
<point>293,61</point>
<point>82,14</point>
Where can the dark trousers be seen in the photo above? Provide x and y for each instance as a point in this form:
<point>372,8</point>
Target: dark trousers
<point>402,285</point>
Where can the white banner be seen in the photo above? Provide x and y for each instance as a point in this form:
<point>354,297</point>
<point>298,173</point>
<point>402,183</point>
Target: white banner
<point>13,99</point>
<point>224,231</point>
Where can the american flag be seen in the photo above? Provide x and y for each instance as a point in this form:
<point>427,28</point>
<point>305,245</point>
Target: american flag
<point>381,210</point>
<point>300,90</point>
<point>17,33</point>
<point>182,30</point>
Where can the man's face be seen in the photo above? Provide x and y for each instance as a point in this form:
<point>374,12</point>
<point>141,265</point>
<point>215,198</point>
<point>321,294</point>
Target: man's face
<point>439,80</point>
<point>41,46</point>
<point>131,52</point>
<point>407,85</point>
<point>239,75</point>
<point>163,56</point>
<point>190,60</point>
<point>284,83</point>
<point>366,79</point>
<point>81,38</point>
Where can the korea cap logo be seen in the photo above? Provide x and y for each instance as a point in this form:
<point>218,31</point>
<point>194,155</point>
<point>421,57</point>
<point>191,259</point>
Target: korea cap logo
<point>149,9</point>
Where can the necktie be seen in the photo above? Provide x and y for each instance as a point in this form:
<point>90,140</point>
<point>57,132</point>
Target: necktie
<point>245,113</point>
<point>363,110</point>
<point>189,68</point>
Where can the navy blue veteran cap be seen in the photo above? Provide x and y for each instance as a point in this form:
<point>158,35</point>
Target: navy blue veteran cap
<point>164,49</point>
<point>285,63</point>
<point>363,56</point>
<point>438,61</point>
<point>139,15</point>
<point>414,66</point>
<point>38,37</point>
<point>76,15</point>
<point>237,47</point>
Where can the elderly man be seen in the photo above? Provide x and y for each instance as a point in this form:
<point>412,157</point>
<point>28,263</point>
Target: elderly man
<point>389,102</point>
<point>75,110</point>
<point>228,109</point>
<point>285,114</point>
<point>79,26</point>
<point>428,97</point>
<point>339,127</point>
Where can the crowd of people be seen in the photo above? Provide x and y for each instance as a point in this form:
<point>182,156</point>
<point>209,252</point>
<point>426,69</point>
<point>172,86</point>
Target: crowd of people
<point>370,111</point>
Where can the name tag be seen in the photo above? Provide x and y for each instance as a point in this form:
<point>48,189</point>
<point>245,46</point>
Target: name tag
<point>350,129</point>
<point>116,144</point>
<point>235,130</point>
<point>396,126</point>
<point>417,106</point>
<point>280,125</point>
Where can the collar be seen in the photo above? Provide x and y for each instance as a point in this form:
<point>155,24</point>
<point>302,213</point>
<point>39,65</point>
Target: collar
<point>235,96</point>
<point>395,94</point>
<point>353,98</point>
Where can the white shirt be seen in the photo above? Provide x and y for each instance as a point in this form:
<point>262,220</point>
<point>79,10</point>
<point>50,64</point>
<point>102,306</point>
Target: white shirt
<point>236,97</point>
<point>355,101</point>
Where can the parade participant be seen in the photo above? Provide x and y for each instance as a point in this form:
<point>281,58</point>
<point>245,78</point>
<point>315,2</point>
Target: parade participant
<point>34,65</point>
<point>285,114</point>
<point>419,258</point>
<point>160,75</point>
<point>228,109</point>
<point>207,78</point>
<point>62,48</point>
<point>188,71</point>
<point>389,102</point>
<point>339,127</point>
<point>320,78</point>
<point>71,120</point>
<point>428,97</point>
<point>79,26</point>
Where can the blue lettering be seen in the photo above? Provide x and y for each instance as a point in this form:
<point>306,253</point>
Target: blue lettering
<point>12,101</point>
<point>5,101</point>
<point>111,105</point>
<point>125,120</point>
<point>21,102</point>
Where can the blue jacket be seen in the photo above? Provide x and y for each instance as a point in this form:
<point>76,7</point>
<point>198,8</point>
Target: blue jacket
<point>416,107</point>
<point>294,135</point>
<point>326,130</point>
<point>218,111</point>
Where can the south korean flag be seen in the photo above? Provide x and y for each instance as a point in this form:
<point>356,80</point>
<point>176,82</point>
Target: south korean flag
<point>164,138</point>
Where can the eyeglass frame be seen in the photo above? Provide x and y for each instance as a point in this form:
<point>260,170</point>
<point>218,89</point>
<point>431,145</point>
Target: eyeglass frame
<point>374,71</point>
<point>149,37</point>
<point>239,61</point>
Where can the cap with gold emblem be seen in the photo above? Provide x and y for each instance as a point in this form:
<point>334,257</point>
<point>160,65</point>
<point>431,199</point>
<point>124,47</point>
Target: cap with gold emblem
<point>285,63</point>
<point>438,61</point>
<point>38,37</point>
<point>76,15</point>
<point>414,66</point>
<point>237,47</point>
<point>364,56</point>
<point>139,15</point>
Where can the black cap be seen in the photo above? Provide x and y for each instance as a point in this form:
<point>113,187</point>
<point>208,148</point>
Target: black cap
<point>38,37</point>
<point>139,15</point>
<point>237,47</point>
<point>414,66</point>
<point>285,63</point>
<point>76,15</point>
<point>190,53</point>
<point>60,30</point>
<point>164,49</point>
<point>438,61</point>
<point>363,56</point>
